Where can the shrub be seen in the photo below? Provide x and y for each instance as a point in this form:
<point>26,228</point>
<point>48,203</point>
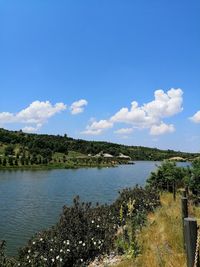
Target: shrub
<point>85,231</point>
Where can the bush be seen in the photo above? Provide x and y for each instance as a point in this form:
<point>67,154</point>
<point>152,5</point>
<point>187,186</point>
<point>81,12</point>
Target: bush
<point>85,231</point>
<point>167,174</point>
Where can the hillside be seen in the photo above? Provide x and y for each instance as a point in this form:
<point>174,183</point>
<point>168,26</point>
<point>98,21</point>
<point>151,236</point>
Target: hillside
<point>22,149</point>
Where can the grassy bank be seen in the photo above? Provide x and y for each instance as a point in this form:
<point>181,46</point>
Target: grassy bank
<point>161,239</point>
<point>56,166</point>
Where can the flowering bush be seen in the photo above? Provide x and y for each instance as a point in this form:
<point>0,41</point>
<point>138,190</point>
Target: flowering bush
<point>85,231</point>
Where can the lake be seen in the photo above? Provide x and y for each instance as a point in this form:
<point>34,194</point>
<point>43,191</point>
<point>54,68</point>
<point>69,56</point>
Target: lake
<point>32,200</point>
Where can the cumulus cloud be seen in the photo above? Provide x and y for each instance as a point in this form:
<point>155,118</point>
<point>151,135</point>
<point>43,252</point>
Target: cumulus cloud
<point>147,116</point>
<point>162,129</point>
<point>30,129</point>
<point>37,113</point>
<point>196,117</point>
<point>124,131</point>
<point>6,117</point>
<point>97,128</point>
<point>78,106</point>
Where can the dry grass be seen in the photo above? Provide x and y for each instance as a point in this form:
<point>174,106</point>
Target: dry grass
<point>161,240</point>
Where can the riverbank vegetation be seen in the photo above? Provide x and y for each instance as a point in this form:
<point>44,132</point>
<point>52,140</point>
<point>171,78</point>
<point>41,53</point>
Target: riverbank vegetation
<point>161,240</point>
<point>143,225</point>
<point>22,150</point>
<point>85,232</point>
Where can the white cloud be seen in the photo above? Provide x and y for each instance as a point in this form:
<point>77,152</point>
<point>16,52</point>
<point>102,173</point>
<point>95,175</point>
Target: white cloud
<point>78,106</point>
<point>124,131</point>
<point>165,104</point>
<point>196,117</point>
<point>97,128</point>
<point>148,115</point>
<point>30,129</point>
<point>37,113</point>
<point>162,129</point>
<point>6,117</point>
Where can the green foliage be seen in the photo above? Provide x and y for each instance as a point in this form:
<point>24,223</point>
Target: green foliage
<point>167,174</point>
<point>9,150</point>
<point>194,183</point>
<point>5,261</point>
<point>85,232</point>
<point>41,149</point>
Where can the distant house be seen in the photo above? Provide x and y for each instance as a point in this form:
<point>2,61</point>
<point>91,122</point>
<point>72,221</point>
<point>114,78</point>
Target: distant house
<point>98,155</point>
<point>106,155</point>
<point>177,159</point>
<point>122,156</point>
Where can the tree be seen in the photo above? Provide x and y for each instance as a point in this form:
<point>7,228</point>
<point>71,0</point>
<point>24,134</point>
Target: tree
<point>4,163</point>
<point>195,177</point>
<point>167,174</point>
<point>10,161</point>
<point>9,150</point>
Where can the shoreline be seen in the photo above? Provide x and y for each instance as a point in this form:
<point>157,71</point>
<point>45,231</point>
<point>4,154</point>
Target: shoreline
<point>50,167</point>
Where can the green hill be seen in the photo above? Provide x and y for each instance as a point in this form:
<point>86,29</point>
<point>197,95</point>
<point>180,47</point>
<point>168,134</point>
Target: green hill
<point>18,149</point>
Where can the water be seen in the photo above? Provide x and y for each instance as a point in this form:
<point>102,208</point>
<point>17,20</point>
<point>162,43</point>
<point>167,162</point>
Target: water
<point>32,200</point>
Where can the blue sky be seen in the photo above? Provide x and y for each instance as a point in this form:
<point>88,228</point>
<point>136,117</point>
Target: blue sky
<point>108,53</point>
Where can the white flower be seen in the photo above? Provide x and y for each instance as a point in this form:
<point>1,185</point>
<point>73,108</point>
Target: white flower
<point>45,259</point>
<point>67,242</point>
<point>57,257</point>
<point>29,251</point>
<point>83,244</point>
<point>68,250</point>
<point>95,243</point>
<point>80,242</point>
<point>33,242</point>
<point>41,239</point>
<point>52,260</point>
<point>61,250</point>
<point>81,260</point>
<point>29,261</point>
<point>97,226</point>
<point>27,257</point>
<point>51,249</point>
<point>92,221</point>
<point>61,259</point>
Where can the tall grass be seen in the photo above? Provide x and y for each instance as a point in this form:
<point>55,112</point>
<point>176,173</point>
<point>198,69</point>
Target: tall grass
<point>161,240</point>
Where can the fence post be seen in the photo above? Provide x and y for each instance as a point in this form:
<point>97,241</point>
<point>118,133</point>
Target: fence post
<point>184,208</point>
<point>190,228</point>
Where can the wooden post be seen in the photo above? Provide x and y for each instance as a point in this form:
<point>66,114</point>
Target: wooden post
<point>190,228</point>
<point>184,208</point>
